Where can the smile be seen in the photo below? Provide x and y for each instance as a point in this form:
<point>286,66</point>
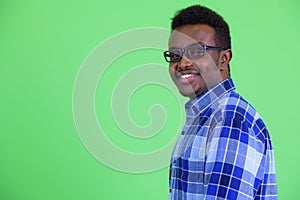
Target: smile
<point>185,76</point>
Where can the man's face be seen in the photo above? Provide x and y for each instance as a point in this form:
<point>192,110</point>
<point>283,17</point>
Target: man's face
<point>193,77</point>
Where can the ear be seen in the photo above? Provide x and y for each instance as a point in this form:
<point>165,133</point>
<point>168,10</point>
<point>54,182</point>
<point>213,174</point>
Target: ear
<point>224,59</point>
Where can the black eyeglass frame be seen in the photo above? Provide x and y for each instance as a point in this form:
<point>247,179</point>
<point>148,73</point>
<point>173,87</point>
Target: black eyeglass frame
<point>185,50</point>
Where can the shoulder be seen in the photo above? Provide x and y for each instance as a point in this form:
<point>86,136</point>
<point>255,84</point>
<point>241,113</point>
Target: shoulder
<point>235,113</point>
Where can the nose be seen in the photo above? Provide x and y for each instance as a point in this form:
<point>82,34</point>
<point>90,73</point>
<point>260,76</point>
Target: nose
<point>184,63</point>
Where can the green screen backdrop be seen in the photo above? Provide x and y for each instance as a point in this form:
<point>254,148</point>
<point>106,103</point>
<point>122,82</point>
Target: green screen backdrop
<point>46,151</point>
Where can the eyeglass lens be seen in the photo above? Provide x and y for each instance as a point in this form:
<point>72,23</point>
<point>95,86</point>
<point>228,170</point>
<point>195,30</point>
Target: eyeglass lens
<point>195,51</point>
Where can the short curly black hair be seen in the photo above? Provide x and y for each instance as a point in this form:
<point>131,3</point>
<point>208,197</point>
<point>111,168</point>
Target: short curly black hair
<point>198,14</point>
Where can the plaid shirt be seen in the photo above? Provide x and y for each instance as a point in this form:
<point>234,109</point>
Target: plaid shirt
<point>224,150</point>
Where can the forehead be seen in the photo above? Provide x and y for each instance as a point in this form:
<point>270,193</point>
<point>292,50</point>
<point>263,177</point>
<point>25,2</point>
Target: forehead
<point>189,34</point>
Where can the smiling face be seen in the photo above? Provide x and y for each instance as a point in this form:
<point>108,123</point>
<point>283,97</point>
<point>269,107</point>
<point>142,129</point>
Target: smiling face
<point>193,77</point>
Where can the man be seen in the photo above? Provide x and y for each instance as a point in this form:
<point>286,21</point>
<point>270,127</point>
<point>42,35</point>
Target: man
<point>224,150</point>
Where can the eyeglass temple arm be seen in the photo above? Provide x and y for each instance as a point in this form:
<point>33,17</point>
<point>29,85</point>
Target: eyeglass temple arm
<point>214,48</point>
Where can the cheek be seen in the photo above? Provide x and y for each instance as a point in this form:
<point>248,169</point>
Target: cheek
<point>206,64</point>
<point>172,68</point>
<point>210,73</point>
<point>203,66</point>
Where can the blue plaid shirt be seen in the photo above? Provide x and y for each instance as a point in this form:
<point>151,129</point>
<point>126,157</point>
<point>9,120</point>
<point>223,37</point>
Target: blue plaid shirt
<point>224,150</point>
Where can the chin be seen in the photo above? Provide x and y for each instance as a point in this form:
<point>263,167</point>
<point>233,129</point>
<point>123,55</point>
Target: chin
<point>190,94</point>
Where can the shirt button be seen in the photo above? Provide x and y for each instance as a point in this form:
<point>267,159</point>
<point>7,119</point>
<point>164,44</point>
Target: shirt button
<point>170,190</point>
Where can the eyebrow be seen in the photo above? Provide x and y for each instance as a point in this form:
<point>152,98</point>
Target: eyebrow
<point>202,43</point>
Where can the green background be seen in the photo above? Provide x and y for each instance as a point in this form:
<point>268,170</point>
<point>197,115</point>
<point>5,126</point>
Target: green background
<point>43,44</point>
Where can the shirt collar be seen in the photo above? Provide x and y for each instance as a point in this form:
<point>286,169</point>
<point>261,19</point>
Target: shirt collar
<point>198,105</point>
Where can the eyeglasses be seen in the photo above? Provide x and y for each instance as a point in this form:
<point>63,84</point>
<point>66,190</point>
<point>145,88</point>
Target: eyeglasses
<point>193,51</point>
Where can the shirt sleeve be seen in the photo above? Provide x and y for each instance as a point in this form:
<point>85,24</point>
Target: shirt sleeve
<point>235,159</point>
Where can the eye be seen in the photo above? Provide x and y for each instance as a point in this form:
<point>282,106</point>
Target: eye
<point>174,55</point>
<point>196,52</point>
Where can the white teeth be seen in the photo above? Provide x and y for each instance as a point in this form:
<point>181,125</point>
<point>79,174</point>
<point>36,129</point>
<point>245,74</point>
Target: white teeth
<point>186,75</point>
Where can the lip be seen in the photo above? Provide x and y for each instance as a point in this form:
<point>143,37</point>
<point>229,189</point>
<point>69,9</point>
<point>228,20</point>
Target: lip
<point>186,76</point>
